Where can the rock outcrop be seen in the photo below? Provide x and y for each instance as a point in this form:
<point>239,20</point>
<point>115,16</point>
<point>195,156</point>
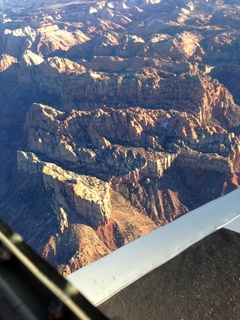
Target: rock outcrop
<point>91,138</point>
<point>73,194</point>
<point>44,40</point>
<point>80,88</point>
<point>6,62</point>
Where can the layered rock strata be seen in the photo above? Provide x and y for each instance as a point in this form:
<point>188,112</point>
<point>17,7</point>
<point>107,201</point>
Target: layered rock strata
<point>124,147</point>
<point>73,194</point>
<point>80,88</point>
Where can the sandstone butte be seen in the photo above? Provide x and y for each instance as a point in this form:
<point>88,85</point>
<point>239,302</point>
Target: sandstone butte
<point>116,118</point>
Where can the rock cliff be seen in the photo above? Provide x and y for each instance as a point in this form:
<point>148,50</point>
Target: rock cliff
<point>117,117</point>
<point>88,196</point>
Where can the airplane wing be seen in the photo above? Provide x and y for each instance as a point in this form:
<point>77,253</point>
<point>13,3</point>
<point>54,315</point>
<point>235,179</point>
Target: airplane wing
<point>188,267</point>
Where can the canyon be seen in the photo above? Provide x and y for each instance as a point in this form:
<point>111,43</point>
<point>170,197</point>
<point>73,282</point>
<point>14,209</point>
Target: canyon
<point>117,117</point>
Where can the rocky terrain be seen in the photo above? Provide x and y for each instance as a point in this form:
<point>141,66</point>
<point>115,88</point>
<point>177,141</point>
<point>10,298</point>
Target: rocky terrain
<point>116,118</point>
